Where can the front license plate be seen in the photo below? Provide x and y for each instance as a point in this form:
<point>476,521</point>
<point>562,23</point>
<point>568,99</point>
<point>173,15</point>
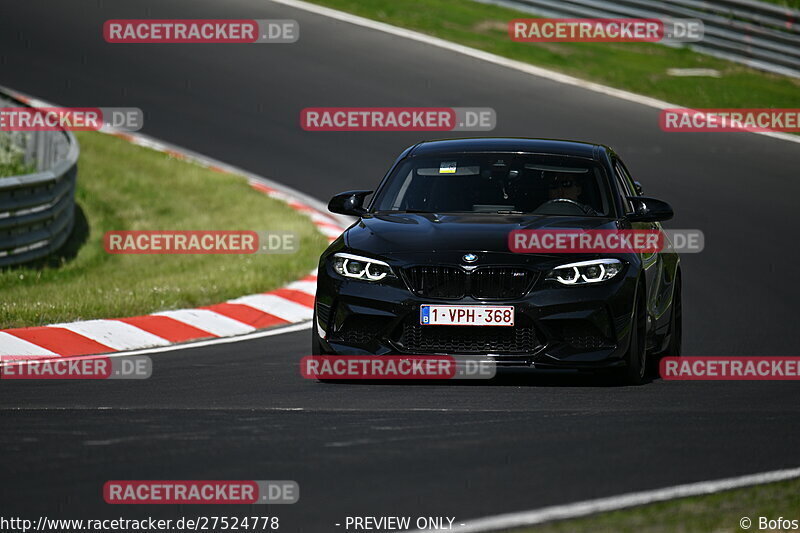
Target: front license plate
<point>466,315</point>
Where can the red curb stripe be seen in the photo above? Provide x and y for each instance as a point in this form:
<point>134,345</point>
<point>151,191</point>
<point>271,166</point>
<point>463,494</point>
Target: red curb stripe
<point>295,296</point>
<point>262,188</point>
<point>247,315</point>
<point>167,328</point>
<point>123,136</point>
<point>300,207</point>
<point>175,154</point>
<point>65,342</point>
<point>59,340</point>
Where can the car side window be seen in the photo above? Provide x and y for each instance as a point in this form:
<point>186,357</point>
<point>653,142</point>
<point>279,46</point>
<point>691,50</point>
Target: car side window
<point>624,184</point>
<point>627,177</point>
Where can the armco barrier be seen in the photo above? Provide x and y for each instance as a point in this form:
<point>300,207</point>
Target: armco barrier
<point>37,210</point>
<point>759,35</point>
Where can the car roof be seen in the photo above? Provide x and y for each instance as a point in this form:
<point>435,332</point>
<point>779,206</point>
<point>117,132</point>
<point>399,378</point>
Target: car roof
<point>508,144</point>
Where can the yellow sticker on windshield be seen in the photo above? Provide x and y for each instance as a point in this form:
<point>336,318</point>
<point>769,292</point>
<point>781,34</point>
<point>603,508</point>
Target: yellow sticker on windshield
<point>447,168</point>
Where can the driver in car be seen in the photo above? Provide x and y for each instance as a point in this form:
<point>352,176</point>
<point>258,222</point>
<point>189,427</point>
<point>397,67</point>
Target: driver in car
<point>567,186</point>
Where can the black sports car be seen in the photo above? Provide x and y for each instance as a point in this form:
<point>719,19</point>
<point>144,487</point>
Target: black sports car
<point>427,267</point>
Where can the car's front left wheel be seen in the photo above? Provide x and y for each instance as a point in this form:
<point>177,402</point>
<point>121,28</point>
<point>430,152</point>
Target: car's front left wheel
<point>636,358</point>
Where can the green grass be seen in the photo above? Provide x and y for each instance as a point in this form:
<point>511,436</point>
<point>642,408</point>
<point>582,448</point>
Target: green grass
<point>718,513</point>
<point>794,4</point>
<point>637,67</point>
<point>125,187</point>
<point>12,158</point>
<point>15,167</point>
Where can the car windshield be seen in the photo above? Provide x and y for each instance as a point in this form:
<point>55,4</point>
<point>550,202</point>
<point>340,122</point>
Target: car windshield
<point>497,183</point>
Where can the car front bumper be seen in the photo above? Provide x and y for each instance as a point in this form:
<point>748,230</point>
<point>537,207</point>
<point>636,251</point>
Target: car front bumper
<point>580,327</point>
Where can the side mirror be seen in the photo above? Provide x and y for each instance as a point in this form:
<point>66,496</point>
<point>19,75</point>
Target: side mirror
<point>649,209</point>
<point>349,203</point>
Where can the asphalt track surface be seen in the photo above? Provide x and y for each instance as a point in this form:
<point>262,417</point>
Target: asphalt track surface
<point>242,411</point>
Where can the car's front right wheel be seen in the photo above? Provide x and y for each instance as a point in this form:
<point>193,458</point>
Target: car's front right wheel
<point>674,347</point>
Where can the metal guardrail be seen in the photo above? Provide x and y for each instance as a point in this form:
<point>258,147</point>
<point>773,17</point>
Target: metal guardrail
<point>37,210</point>
<point>759,35</point>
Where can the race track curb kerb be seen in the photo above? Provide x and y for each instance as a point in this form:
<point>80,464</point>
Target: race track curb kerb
<point>287,305</point>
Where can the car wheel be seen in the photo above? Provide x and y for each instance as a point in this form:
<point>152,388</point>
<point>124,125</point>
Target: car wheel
<point>676,324</point>
<point>636,359</point>
<point>316,348</point>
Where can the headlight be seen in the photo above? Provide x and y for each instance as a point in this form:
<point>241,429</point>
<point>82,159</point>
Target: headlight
<point>594,271</point>
<point>358,267</point>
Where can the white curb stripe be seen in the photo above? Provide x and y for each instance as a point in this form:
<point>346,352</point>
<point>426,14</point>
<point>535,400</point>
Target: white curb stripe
<point>119,335</point>
<point>277,306</point>
<point>258,334</point>
<point>207,320</point>
<point>11,345</point>
<point>317,217</point>
<point>308,287</point>
<point>624,501</point>
<point>330,232</point>
<point>114,334</point>
<point>499,60</point>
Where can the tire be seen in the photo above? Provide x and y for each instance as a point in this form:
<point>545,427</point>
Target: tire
<point>635,369</point>
<point>675,346</point>
<point>316,347</point>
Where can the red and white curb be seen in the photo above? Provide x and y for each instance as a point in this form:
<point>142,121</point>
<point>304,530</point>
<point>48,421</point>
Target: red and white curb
<point>288,305</point>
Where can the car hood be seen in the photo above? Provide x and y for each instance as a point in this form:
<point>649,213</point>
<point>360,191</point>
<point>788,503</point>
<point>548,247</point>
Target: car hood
<point>403,233</point>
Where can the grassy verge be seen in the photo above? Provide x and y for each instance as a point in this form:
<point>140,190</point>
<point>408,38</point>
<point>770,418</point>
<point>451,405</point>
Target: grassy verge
<point>719,513</point>
<point>637,67</point>
<point>14,167</point>
<point>794,4</point>
<point>126,187</point>
<point>12,160</point>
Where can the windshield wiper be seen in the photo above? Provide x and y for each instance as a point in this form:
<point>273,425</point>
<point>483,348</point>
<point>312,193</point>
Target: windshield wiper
<point>509,212</point>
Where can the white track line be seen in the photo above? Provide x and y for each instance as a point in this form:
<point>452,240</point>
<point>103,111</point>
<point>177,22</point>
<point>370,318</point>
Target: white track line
<point>624,501</point>
<point>499,60</point>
